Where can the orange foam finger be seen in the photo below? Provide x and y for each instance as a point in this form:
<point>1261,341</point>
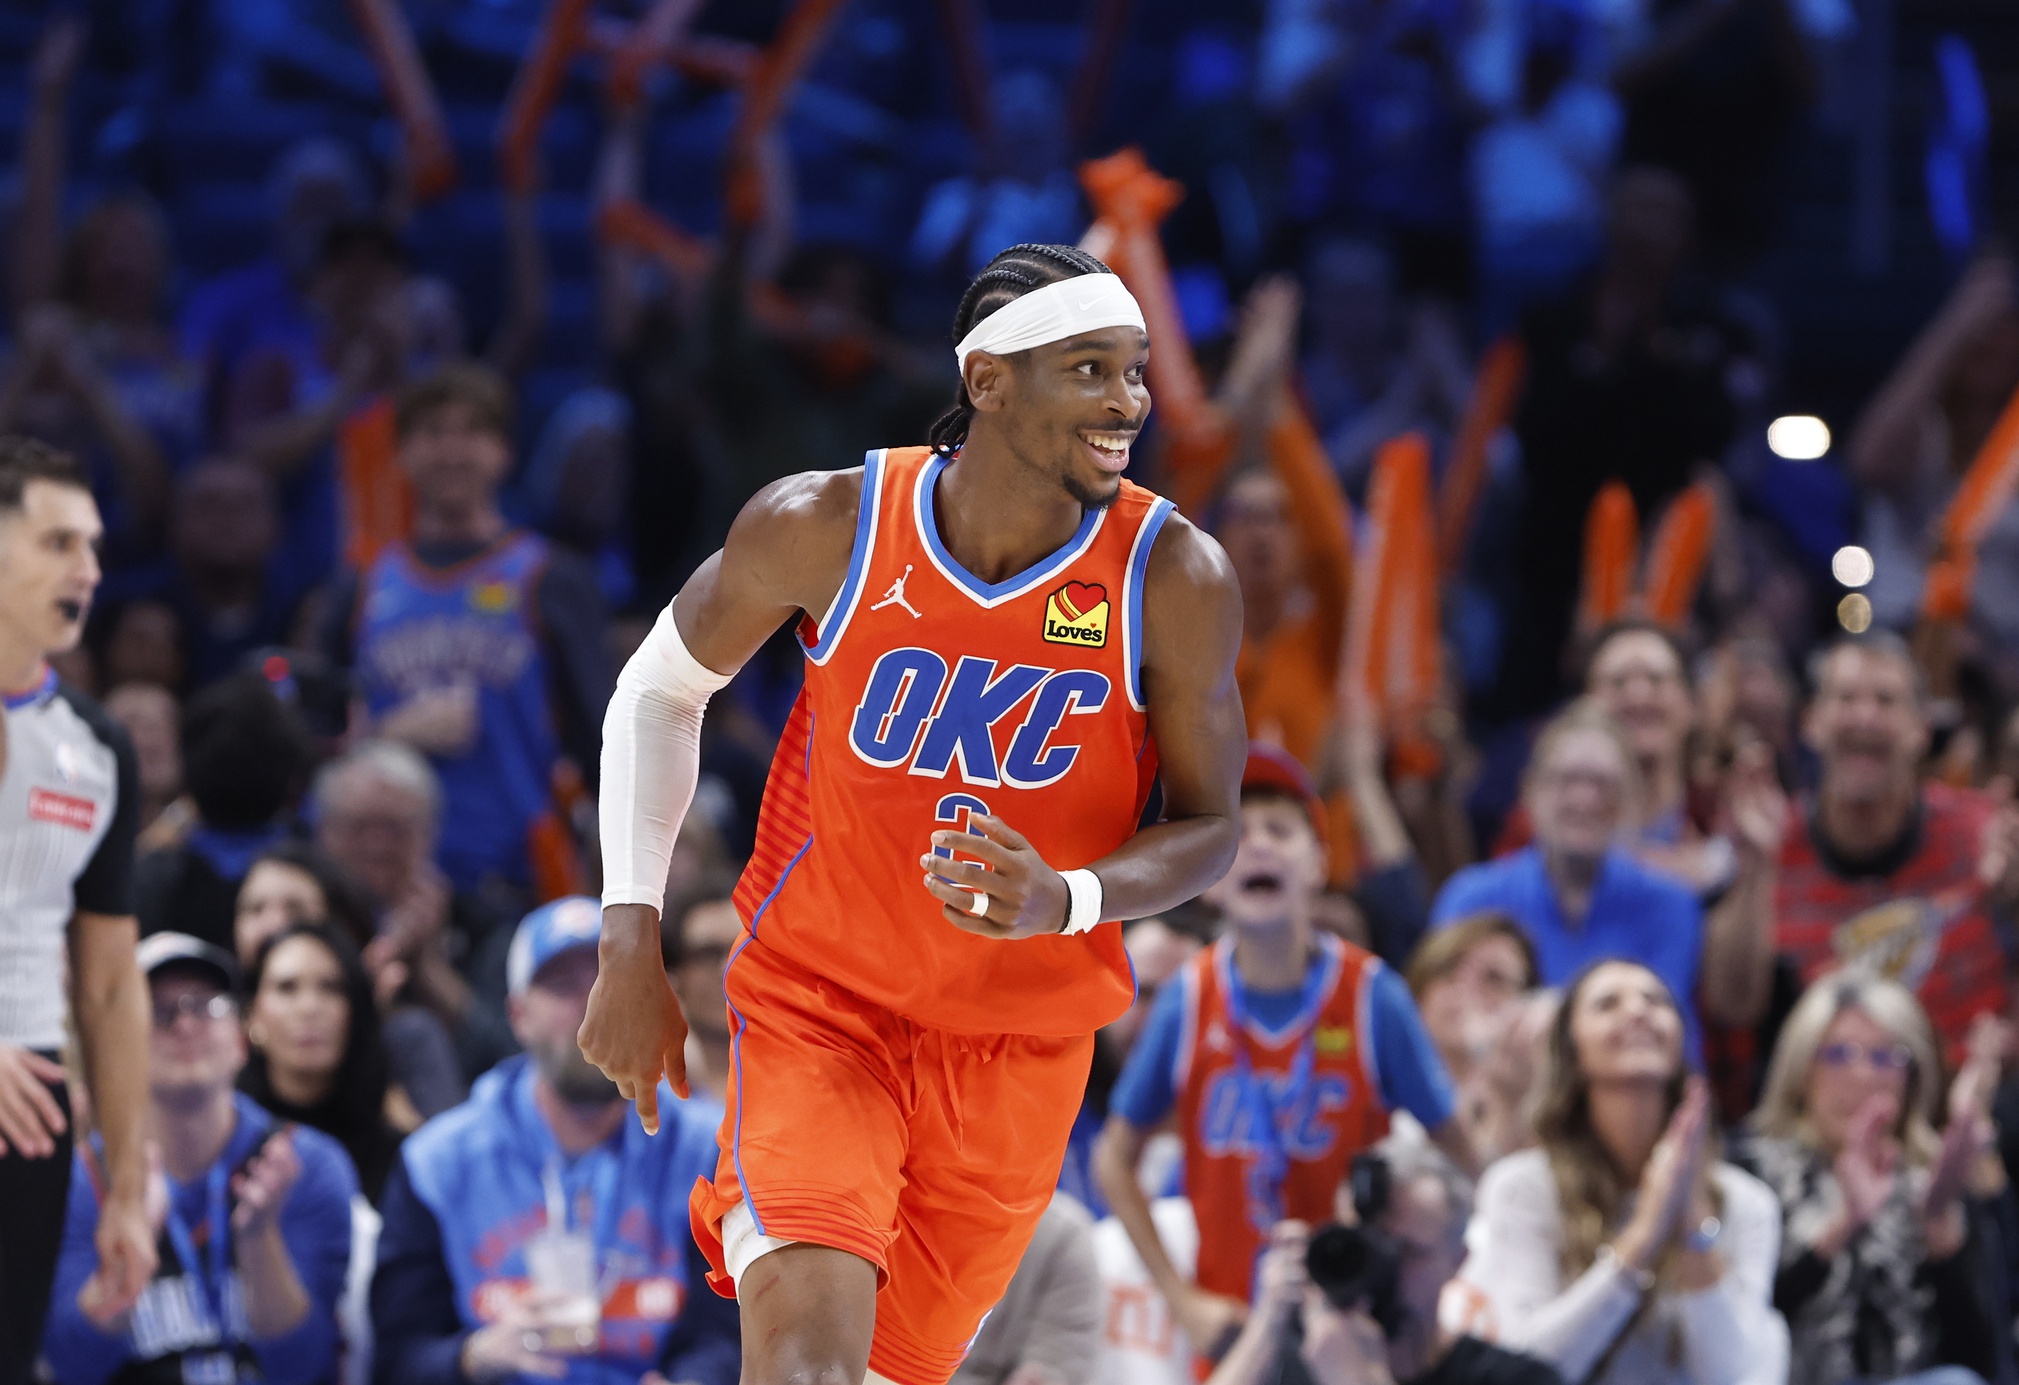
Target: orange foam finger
<point>535,89</point>
<point>1678,554</point>
<point>431,158</point>
<point>1132,198</point>
<point>1611,552</point>
<point>628,223</point>
<point>1495,391</point>
<point>649,43</point>
<point>1986,489</point>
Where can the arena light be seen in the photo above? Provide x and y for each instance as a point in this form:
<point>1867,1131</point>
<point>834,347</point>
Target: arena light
<point>1852,565</point>
<point>1854,613</point>
<point>1798,437</point>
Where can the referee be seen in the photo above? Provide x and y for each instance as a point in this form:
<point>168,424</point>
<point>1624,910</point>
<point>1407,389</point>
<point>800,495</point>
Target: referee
<point>69,799</point>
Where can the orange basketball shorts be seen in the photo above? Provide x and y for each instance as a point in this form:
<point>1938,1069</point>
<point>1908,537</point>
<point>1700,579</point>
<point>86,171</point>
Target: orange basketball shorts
<point>929,1154</point>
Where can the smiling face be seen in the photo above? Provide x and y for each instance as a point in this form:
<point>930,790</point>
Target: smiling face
<point>274,895</point>
<point>1071,409</point>
<point>1256,531</point>
<point>48,566</point>
<point>1463,1004</point>
<point>1857,1059</point>
<point>1624,1026</point>
<point>455,459</point>
<point>1278,869</point>
<point>200,1048</point>
<point>1637,678</point>
<point>1867,724</point>
<point>1578,793</point>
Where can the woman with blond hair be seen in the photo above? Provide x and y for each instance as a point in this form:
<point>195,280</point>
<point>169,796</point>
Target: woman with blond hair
<point>1620,1250</point>
<point>1881,1275</point>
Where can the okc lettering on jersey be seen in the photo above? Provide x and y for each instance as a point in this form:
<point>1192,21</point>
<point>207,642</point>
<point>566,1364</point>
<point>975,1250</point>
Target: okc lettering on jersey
<point>1227,1121</point>
<point>438,650</point>
<point>916,712</point>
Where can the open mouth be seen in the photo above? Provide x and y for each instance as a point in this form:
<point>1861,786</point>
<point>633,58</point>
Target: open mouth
<point>73,611</point>
<point>1110,449</point>
<point>1263,884</point>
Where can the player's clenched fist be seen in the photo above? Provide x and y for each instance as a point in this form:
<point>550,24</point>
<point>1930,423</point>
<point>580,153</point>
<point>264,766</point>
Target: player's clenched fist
<point>634,1030</point>
<point>1007,891</point>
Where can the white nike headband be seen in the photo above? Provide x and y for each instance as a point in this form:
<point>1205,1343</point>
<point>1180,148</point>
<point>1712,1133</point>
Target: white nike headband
<point>1053,313</point>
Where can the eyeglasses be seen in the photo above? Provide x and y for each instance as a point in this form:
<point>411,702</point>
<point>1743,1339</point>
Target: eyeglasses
<point>213,1007</point>
<point>1888,1058</point>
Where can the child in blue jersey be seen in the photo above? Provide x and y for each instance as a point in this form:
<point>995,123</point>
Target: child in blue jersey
<point>541,1155</point>
<point>473,641</point>
<point>1281,1051</point>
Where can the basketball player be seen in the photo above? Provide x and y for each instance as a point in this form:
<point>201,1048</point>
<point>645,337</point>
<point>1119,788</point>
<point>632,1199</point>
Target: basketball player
<point>1005,643</point>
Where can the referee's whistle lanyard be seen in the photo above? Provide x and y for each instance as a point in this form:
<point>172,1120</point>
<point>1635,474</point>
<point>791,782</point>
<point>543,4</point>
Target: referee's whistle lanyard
<point>1267,1116</point>
<point>211,1271</point>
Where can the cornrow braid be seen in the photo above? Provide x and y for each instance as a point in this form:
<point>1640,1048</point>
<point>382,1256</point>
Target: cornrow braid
<point>1010,275</point>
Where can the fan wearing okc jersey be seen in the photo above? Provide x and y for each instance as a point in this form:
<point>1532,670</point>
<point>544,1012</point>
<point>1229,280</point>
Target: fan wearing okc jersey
<point>1006,643</point>
<point>1280,1051</point>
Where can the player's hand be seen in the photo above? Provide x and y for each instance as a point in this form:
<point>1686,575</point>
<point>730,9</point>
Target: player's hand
<point>634,1030</point>
<point>1025,897</point>
<point>126,1260</point>
<point>30,1119</point>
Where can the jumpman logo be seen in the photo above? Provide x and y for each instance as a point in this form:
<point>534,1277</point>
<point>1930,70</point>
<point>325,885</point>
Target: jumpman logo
<point>895,596</point>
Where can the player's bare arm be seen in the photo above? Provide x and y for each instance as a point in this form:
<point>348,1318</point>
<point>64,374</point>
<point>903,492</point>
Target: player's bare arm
<point>1191,635</point>
<point>787,552</point>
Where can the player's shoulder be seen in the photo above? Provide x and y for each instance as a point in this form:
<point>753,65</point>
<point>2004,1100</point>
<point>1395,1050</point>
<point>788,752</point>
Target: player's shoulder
<point>806,502</point>
<point>1186,556</point>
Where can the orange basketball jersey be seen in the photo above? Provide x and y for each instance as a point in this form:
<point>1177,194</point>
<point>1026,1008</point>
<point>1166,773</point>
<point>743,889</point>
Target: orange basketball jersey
<point>1271,1119</point>
<point>932,695</point>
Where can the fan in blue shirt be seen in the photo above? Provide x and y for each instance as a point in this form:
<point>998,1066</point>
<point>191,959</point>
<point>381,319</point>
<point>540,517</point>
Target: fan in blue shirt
<point>1577,894</point>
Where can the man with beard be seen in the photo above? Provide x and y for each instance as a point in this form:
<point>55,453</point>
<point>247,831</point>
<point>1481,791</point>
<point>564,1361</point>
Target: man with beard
<point>533,1231</point>
<point>1915,880</point>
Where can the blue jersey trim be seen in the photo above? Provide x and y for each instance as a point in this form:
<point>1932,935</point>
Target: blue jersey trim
<point>783,876</point>
<point>991,594</point>
<point>40,693</point>
<point>1132,611</point>
<point>736,1062</point>
<point>838,614</point>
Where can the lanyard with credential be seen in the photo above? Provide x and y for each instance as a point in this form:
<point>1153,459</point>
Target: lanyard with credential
<point>603,1191</point>
<point>1272,1163</point>
<point>212,1273</point>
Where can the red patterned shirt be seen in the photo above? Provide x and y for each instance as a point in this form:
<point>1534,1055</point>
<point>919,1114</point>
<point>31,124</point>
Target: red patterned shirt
<point>1918,916</point>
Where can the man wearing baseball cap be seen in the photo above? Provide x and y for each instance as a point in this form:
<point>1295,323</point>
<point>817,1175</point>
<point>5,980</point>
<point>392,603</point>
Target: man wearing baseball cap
<point>1282,1049</point>
<point>252,1221</point>
<point>533,1231</point>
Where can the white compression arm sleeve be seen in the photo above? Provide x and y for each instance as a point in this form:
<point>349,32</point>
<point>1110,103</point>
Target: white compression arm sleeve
<point>651,760</point>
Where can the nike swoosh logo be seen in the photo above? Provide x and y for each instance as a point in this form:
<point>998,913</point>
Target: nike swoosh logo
<point>1088,304</point>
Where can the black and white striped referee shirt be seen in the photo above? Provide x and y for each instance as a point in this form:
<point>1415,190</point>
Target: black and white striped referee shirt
<point>69,811</point>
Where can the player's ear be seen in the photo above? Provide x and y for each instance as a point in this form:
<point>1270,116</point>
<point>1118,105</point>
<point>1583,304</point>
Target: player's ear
<point>985,377</point>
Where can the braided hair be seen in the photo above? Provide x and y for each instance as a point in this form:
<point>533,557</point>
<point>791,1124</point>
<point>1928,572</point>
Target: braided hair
<point>1012,274</point>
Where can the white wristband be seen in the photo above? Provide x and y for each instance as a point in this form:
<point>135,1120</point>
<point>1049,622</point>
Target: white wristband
<point>1085,888</point>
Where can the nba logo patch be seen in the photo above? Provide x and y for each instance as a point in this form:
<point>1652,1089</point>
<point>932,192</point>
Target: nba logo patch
<point>1077,613</point>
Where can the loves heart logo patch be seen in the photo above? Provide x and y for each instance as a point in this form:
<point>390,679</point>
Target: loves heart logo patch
<point>1077,613</point>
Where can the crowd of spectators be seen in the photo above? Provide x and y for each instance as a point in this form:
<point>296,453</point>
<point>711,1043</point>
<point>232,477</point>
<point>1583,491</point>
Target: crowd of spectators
<point>1642,993</point>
